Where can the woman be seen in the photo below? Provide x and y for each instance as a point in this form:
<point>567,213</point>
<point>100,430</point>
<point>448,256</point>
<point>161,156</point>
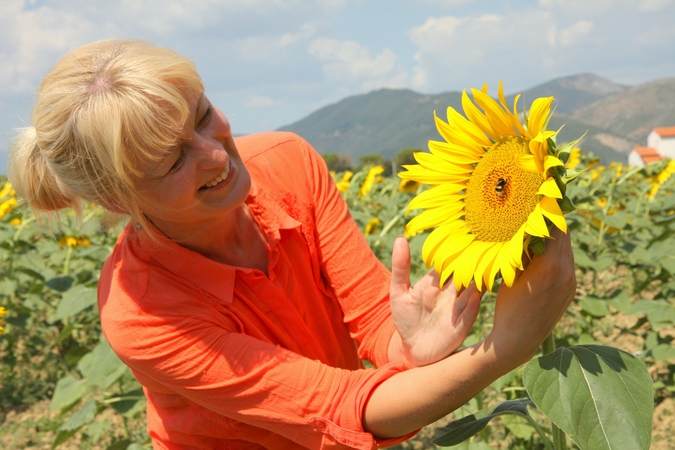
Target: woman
<point>241,294</point>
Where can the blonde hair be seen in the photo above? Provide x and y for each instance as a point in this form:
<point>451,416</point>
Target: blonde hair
<point>102,112</point>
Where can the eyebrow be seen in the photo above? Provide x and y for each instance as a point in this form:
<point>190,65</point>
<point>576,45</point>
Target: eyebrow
<point>198,120</point>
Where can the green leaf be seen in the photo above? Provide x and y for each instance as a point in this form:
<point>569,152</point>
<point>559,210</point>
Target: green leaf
<point>68,390</point>
<point>594,306</point>
<point>520,429</point>
<point>120,445</point>
<point>73,302</point>
<point>662,352</point>
<point>62,436</point>
<point>135,446</point>
<point>105,367</point>
<point>61,284</point>
<point>659,313</point>
<point>566,205</point>
<point>460,430</point>
<point>470,445</point>
<point>96,429</point>
<point>601,396</point>
<point>82,416</point>
<point>617,220</point>
<point>620,301</point>
<point>7,287</point>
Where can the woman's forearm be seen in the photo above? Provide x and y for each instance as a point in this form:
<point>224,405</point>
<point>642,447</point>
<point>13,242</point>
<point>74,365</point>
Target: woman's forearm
<point>420,396</point>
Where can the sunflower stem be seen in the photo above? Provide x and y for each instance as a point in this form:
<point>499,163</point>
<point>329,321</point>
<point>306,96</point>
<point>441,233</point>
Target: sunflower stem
<point>559,439</point>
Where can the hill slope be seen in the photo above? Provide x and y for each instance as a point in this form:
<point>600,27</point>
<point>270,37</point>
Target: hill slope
<point>633,113</point>
<point>383,122</point>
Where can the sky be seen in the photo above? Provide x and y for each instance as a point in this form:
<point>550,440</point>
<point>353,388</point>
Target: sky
<point>270,63</point>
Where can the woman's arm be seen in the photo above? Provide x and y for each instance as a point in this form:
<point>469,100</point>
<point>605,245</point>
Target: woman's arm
<point>525,314</point>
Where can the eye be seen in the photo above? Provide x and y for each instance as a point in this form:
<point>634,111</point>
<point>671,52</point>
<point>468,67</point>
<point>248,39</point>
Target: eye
<point>178,163</point>
<point>205,119</point>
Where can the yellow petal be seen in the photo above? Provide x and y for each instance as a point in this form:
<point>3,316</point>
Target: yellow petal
<point>529,163</point>
<point>516,119</point>
<point>437,237</point>
<point>455,244</point>
<point>507,270</point>
<point>550,188</point>
<point>433,162</point>
<point>552,211</point>
<point>464,271</point>
<point>499,120</point>
<point>427,176</point>
<point>454,153</point>
<point>536,225</point>
<point>455,135</point>
<point>538,115</point>
<point>437,196</point>
<point>466,127</point>
<point>483,267</point>
<point>476,116</point>
<point>433,217</point>
<point>515,248</point>
<point>551,161</point>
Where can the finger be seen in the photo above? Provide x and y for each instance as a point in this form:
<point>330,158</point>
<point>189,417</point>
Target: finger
<point>464,299</point>
<point>400,268</point>
<point>468,316</point>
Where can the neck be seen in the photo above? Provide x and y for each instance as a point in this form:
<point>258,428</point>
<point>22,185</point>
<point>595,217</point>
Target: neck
<point>234,239</point>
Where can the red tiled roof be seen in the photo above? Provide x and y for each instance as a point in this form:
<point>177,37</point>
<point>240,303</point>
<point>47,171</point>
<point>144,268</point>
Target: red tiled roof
<point>648,154</point>
<point>665,131</point>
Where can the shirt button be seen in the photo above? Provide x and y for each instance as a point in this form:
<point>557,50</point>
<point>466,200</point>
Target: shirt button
<point>320,424</point>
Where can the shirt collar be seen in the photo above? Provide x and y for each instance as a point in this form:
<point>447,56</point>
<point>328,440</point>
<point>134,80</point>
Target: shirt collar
<point>213,277</point>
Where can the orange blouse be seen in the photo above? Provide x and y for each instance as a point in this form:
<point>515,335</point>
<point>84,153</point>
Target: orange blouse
<point>232,359</point>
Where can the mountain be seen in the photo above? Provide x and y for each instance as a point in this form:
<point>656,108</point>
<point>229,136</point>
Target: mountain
<point>383,121</point>
<point>631,114</point>
<point>388,120</point>
<point>573,92</point>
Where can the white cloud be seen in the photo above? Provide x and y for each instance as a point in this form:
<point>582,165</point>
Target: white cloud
<point>655,5</point>
<point>575,33</point>
<point>259,101</point>
<point>446,3</point>
<point>270,47</point>
<point>350,61</point>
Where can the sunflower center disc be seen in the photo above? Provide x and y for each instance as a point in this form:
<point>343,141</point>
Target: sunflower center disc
<point>500,195</point>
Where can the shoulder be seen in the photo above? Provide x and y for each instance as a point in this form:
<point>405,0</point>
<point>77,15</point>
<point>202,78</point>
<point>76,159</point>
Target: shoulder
<point>282,160</point>
<point>270,145</point>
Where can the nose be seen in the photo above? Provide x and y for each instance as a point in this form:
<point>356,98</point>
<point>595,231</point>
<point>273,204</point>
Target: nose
<point>210,153</point>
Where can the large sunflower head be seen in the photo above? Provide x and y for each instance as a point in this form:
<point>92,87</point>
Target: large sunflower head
<point>497,183</point>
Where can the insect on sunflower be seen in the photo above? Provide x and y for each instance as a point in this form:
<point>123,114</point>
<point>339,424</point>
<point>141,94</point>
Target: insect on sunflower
<point>497,188</point>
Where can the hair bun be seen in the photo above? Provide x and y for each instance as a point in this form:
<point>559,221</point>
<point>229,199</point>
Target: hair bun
<point>30,175</point>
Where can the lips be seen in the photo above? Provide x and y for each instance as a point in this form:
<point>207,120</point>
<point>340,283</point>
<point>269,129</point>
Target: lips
<point>216,181</point>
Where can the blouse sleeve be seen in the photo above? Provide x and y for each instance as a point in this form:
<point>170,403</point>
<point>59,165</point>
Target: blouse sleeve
<point>358,278</point>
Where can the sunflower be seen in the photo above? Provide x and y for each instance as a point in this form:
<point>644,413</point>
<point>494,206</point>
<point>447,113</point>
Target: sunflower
<point>496,189</point>
<point>3,312</point>
<point>372,178</point>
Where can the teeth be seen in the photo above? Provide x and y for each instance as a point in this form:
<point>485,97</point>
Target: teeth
<point>219,178</point>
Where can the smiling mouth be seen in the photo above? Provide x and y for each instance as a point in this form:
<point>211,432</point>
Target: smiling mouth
<point>216,181</point>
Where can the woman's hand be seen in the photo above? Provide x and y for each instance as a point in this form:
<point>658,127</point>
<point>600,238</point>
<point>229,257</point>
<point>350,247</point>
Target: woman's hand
<point>528,311</point>
<point>431,322</point>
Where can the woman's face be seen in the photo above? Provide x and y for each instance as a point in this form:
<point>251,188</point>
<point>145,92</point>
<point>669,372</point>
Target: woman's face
<point>200,179</point>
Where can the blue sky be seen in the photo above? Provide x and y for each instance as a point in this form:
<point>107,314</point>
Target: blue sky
<point>269,63</point>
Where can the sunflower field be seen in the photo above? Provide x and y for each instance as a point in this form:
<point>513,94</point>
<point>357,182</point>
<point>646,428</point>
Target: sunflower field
<point>62,387</point>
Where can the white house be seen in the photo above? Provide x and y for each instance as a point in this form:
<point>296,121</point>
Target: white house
<point>660,144</point>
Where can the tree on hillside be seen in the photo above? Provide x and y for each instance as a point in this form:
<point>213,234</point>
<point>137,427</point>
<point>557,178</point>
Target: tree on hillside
<point>375,159</point>
<point>337,163</point>
<point>405,156</point>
